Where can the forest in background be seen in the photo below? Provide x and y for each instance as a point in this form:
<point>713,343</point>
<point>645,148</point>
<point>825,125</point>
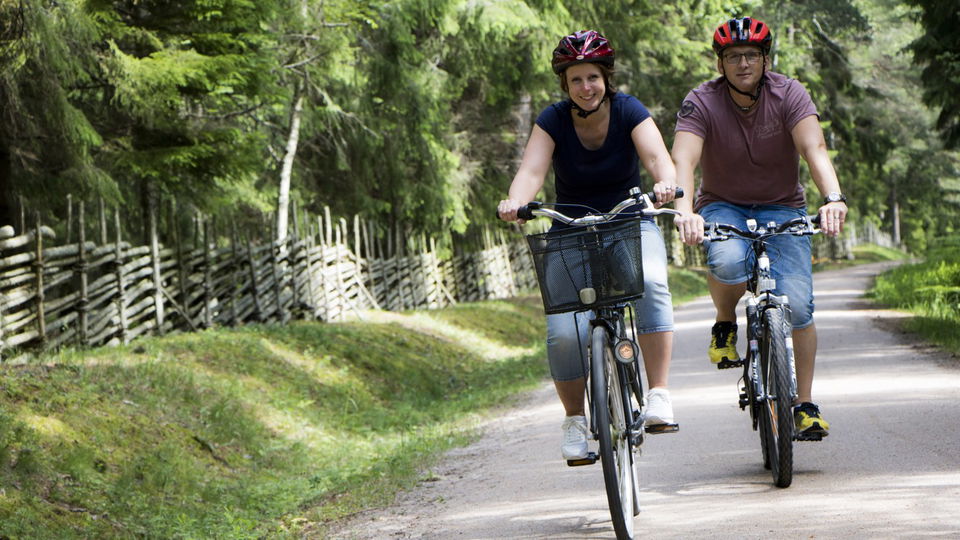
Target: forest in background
<point>413,113</point>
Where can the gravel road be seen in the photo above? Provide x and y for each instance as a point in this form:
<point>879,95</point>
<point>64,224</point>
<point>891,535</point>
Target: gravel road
<point>889,469</point>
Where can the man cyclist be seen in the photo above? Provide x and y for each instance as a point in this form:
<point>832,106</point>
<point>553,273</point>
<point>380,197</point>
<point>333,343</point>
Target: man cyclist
<point>746,130</point>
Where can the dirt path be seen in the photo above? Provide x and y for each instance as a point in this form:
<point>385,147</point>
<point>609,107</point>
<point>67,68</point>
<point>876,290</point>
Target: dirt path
<point>890,468</point>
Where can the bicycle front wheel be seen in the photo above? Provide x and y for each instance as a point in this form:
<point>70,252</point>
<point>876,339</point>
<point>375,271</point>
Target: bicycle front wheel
<point>776,414</point>
<point>612,433</point>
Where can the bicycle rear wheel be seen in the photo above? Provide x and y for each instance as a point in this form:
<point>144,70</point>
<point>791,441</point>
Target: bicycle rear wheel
<point>613,434</point>
<point>776,414</point>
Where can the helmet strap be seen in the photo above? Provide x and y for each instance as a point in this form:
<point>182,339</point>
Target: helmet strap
<point>753,97</point>
<point>583,113</point>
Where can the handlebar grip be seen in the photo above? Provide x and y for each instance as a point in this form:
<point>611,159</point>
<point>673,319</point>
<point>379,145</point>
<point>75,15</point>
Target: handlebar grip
<point>525,212</point>
<point>677,194</point>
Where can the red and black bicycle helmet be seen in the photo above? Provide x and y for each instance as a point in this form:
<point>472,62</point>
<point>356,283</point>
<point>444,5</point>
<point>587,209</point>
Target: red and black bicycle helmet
<point>745,31</point>
<point>581,47</point>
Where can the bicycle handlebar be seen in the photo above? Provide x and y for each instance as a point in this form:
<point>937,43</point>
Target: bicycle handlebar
<point>533,209</point>
<point>800,226</point>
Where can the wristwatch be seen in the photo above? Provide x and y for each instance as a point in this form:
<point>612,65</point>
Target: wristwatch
<point>834,196</point>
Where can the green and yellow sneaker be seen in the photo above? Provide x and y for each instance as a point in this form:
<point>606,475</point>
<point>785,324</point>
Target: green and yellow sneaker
<point>808,421</point>
<point>723,345</point>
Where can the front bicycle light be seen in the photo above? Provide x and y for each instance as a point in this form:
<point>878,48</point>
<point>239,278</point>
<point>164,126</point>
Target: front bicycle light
<point>625,351</point>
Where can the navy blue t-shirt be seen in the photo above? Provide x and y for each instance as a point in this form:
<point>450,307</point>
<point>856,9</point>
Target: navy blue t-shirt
<point>597,178</point>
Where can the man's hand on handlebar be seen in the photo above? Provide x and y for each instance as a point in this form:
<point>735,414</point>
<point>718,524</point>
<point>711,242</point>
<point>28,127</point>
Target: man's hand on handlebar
<point>832,216</point>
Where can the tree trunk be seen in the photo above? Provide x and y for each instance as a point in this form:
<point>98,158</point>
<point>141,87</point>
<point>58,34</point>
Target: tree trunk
<point>523,122</point>
<point>293,139</point>
<point>8,213</point>
<point>895,209</point>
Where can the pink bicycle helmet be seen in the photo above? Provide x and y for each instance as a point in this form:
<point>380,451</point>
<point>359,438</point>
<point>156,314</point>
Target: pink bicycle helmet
<point>580,47</point>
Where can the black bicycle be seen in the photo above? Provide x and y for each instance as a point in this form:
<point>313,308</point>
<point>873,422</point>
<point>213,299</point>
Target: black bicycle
<point>769,384</point>
<point>595,265</point>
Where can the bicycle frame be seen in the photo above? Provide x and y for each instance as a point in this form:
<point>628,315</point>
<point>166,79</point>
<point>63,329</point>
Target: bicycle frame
<point>761,285</point>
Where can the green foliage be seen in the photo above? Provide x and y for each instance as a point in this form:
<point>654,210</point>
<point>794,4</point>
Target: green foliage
<point>416,112</point>
<point>255,432</point>
<point>930,290</point>
<point>938,50</point>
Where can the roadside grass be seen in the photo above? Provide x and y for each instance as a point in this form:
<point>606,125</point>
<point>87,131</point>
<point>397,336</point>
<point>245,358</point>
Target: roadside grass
<point>263,431</point>
<point>687,284</point>
<point>862,254</point>
<point>931,291</point>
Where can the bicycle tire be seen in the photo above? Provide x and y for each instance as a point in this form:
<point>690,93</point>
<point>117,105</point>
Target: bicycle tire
<point>632,373</point>
<point>777,408</point>
<point>615,452</point>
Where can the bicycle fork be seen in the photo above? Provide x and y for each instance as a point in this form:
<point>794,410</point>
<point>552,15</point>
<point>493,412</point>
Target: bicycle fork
<point>752,365</point>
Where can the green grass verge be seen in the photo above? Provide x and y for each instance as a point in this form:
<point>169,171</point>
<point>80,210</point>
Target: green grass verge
<point>931,291</point>
<point>863,254</point>
<point>254,432</point>
<point>687,284</point>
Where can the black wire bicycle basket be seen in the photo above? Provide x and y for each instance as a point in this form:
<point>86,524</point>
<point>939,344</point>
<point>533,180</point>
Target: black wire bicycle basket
<point>583,268</point>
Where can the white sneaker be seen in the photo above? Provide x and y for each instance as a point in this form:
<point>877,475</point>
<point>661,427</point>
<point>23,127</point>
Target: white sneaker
<point>659,410</point>
<point>574,444</point>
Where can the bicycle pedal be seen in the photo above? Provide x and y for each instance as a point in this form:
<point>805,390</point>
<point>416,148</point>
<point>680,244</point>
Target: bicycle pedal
<point>592,457</point>
<point>727,364</point>
<point>808,437</point>
<point>656,429</point>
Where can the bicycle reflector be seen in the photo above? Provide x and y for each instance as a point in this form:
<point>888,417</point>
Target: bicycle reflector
<point>625,351</point>
<point>588,295</point>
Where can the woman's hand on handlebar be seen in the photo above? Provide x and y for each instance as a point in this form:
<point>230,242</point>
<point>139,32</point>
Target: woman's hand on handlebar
<point>507,210</point>
<point>690,227</point>
<point>664,192</point>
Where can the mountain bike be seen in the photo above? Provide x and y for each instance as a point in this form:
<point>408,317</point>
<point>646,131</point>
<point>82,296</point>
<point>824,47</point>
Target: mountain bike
<point>768,387</point>
<point>595,266</point>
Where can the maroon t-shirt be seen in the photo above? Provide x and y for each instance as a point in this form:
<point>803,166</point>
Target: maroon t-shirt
<point>748,158</point>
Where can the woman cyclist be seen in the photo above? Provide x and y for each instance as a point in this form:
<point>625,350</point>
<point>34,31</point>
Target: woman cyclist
<point>595,140</point>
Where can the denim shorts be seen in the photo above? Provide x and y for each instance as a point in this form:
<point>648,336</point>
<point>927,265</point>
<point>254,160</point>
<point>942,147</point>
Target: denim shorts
<point>790,256</point>
<point>568,333</point>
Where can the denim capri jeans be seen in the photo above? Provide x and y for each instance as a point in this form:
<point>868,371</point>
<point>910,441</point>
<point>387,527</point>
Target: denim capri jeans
<point>729,261</point>
<point>568,333</point>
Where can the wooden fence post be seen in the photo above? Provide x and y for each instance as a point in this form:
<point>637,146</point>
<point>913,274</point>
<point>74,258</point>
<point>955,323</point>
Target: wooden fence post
<point>258,309</point>
<point>181,271</point>
<point>23,215</point>
<point>82,272</point>
<point>207,263</point>
<point>69,218</point>
<point>291,266</point>
<point>235,265</point>
<point>323,267</point>
<point>308,245</point>
<point>102,211</point>
<point>121,286</point>
<point>155,259</point>
<point>38,266</point>
<point>276,247</point>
